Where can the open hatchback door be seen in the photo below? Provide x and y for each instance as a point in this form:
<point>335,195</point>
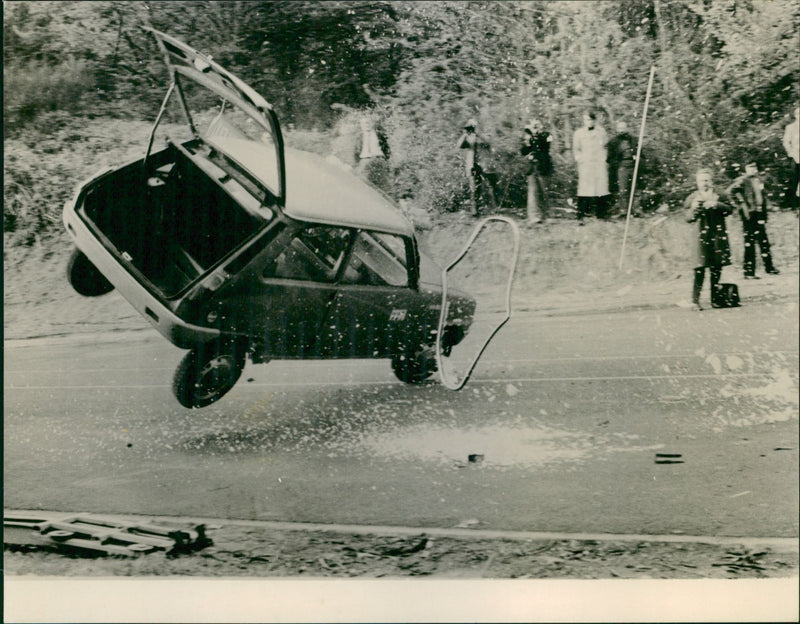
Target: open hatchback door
<point>166,229</point>
<point>238,122</point>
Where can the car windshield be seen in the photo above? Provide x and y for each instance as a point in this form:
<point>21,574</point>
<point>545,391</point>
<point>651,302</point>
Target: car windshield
<point>230,130</point>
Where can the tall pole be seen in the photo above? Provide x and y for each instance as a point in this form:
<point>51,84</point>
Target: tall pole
<point>636,164</point>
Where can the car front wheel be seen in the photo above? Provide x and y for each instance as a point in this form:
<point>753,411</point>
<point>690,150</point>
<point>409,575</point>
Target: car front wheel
<point>207,373</point>
<point>415,365</point>
<point>84,277</point>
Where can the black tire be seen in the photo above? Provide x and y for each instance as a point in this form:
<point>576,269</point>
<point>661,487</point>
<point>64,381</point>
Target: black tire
<point>84,277</point>
<point>207,373</point>
<point>415,365</point>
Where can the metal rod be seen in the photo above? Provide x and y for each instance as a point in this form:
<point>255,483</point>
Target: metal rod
<point>158,121</point>
<point>636,164</point>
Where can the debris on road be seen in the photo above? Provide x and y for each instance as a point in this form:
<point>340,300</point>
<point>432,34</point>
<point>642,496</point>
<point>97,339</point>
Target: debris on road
<point>669,458</point>
<point>98,536</point>
<point>467,524</point>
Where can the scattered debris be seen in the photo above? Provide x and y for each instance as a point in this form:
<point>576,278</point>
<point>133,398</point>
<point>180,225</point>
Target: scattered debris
<point>88,535</point>
<point>737,562</point>
<point>475,458</point>
<point>669,458</point>
<point>406,549</point>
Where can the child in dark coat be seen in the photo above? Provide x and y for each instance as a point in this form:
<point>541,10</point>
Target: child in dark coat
<point>712,251</point>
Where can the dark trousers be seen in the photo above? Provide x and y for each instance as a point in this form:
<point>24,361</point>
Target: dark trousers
<point>699,275</point>
<point>624,175</point>
<point>755,233</point>
<point>593,205</point>
<point>538,200</point>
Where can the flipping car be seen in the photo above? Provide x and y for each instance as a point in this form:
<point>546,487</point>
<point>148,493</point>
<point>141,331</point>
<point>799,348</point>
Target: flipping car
<point>233,246</point>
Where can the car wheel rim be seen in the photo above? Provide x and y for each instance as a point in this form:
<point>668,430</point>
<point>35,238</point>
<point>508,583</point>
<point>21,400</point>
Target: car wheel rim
<point>214,378</point>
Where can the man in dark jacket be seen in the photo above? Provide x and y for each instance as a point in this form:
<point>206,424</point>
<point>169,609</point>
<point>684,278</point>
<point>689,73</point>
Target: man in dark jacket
<point>747,193</point>
<point>472,145</point>
<point>536,146</point>
<point>621,156</point>
<point>708,210</point>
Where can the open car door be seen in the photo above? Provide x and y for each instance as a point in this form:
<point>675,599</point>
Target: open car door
<point>492,313</point>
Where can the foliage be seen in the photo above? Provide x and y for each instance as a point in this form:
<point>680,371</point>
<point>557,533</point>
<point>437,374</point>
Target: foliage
<point>34,87</point>
<point>726,77</point>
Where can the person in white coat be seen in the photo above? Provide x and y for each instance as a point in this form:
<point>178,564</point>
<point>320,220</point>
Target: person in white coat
<point>791,143</point>
<point>589,148</point>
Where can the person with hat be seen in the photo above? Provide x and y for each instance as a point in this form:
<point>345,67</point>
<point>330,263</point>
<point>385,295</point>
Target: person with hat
<point>712,251</point>
<point>589,148</point>
<point>536,146</point>
<point>470,144</point>
<point>621,155</point>
<point>747,193</point>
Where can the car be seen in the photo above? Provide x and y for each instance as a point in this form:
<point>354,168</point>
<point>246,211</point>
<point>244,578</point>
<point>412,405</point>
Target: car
<point>234,246</point>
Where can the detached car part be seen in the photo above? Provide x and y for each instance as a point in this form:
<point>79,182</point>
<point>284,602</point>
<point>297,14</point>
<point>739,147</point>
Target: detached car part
<point>90,535</point>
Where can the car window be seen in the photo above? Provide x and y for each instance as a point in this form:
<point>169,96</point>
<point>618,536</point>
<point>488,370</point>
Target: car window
<point>231,131</point>
<point>377,259</point>
<point>314,254</point>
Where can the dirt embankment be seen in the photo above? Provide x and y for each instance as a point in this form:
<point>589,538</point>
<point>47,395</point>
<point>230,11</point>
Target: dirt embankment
<point>562,267</point>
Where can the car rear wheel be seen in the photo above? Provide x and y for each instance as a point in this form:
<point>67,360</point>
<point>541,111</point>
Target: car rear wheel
<point>207,373</point>
<point>415,365</point>
<point>84,277</point>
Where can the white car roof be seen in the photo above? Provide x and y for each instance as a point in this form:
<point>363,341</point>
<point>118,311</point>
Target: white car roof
<point>324,190</point>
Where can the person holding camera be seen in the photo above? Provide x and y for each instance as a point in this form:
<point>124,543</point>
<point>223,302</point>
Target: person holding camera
<point>471,143</point>
<point>536,146</point>
<point>712,251</point>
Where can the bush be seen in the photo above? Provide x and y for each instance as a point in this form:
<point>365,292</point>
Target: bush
<point>32,88</point>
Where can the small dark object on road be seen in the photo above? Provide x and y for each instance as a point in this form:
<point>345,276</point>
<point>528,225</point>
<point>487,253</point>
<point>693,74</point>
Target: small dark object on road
<point>475,458</point>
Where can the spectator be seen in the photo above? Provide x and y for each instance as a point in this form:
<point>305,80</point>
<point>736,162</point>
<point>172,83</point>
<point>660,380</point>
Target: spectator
<point>712,251</point>
<point>536,146</point>
<point>621,156</point>
<point>791,143</point>
<point>747,193</point>
<point>471,144</point>
<point>372,152</point>
<point>589,148</point>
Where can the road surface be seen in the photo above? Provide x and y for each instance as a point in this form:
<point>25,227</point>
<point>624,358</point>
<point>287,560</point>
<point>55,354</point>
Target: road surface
<point>655,421</point>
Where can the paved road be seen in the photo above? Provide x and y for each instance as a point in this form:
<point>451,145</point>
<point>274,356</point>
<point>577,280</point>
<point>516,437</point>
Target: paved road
<point>568,412</point>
